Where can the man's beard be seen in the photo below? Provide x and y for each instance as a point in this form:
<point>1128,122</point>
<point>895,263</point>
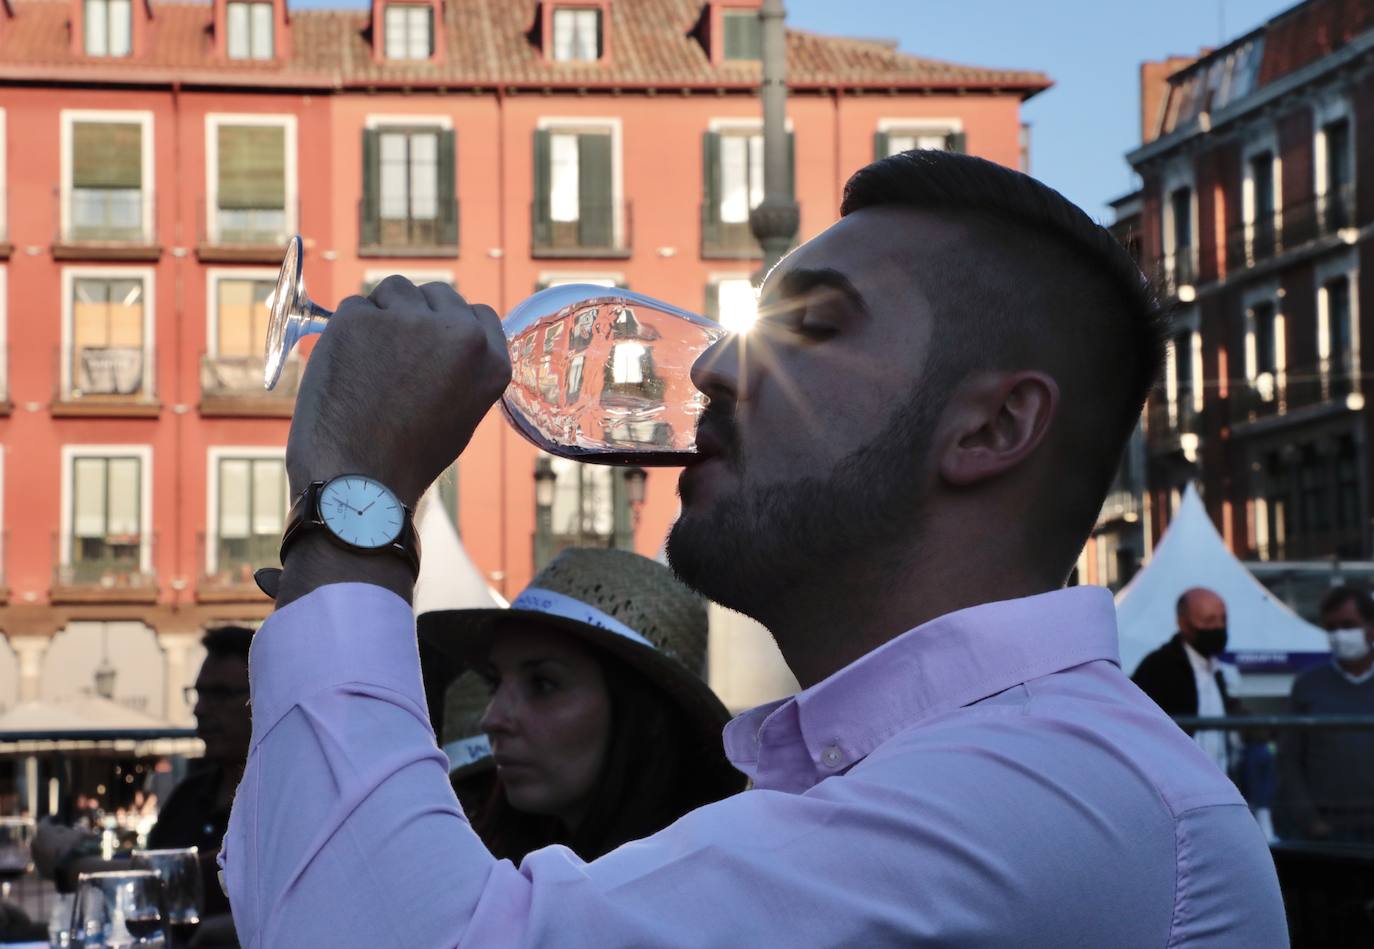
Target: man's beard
<point>763,542</point>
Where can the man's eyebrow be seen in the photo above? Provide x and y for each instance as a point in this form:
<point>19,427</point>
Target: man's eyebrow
<point>803,281</point>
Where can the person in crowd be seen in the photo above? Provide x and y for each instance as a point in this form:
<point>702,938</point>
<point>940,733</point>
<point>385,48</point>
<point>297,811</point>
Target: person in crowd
<point>1326,776</point>
<point>896,471</point>
<point>1184,676</point>
<point>196,813</point>
<point>600,725</point>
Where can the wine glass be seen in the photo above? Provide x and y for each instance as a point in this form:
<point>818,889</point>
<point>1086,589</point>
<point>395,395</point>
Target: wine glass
<point>598,374</point>
<point>182,888</point>
<point>16,850</point>
<point>119,909</point>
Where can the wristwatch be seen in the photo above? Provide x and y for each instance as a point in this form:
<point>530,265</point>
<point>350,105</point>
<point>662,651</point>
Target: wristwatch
<point>357,513</point>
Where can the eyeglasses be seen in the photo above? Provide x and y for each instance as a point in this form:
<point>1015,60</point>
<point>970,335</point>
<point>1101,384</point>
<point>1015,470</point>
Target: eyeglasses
<point>212,694</point>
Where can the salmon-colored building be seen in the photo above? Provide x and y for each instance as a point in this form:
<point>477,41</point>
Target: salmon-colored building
<point>155,156</point>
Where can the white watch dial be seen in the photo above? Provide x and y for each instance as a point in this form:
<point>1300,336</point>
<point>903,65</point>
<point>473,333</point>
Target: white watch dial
<point>361,511</point>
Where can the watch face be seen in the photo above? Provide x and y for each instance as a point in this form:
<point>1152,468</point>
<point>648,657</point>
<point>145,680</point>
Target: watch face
<point>361,511</point>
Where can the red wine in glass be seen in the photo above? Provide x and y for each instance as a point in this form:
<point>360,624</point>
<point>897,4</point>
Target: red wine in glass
<point>142,927</point>
<point>183,930</point>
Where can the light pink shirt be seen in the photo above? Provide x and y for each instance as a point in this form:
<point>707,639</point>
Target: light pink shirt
<point>987,779</point>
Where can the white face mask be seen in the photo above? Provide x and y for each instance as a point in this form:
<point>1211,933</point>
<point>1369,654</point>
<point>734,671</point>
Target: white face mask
<point>1349,645</point>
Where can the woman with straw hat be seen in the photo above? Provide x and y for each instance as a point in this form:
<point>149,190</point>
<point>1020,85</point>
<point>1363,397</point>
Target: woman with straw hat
<point>599,723</point>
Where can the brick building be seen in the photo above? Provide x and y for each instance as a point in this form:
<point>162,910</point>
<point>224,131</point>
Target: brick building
<point>1257,214</point>
<point>155,156</point>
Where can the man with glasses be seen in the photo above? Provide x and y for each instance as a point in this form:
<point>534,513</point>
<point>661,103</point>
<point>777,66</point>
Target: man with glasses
<point>196,813</point>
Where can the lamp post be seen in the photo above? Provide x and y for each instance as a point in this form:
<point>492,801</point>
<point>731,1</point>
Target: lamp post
<point>636,480</point>
<point>774,222</point>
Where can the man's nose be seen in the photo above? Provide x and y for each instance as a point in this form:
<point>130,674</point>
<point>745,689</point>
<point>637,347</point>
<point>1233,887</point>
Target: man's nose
<point>721,371</point>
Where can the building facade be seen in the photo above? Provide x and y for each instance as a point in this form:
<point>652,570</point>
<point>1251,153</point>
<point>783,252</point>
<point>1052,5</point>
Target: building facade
<point>154,158</point>
<point>1257,217</point>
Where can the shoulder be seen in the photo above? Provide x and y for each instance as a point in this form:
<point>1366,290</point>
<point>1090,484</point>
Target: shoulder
<point>1313,681</point>
<point>1169,654</point>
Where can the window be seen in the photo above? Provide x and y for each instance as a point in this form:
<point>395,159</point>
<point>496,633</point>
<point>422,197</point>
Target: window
<point>1182,364</point>
<point>408,188</point>
<point>251,183</point>
<point>250,30</point>
<point>409,30</point>
<point>250,512</point>
<point>107,353</point>
<point>106,521</point>
<point>108,27</point>
<point>241,316</point>
<point>1339,362</point>
<point>575,204</point>
<point>106,187</point>
<point>1265,321</point>
<point>898,139</point>
<point>733,302</point>
<point>587,507</point>
<point>743,34</point>
<point>576,35</point>
<point>734,186</point>
<point>1337,199</point>
<point>1262,205</point>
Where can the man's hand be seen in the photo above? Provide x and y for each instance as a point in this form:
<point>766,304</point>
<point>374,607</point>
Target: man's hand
<point>395,387</point>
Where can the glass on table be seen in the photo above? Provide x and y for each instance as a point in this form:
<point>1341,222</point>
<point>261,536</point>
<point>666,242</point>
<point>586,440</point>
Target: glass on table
<point>182,888</point>
<point>119,909</point>
<point>16,850</point>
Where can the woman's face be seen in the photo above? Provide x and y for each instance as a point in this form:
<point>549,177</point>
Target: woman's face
<point>549,720</point>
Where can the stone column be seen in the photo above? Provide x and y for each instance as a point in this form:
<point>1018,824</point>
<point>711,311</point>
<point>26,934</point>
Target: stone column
<point>775,221</point>
<point>175,650</point>
<point>29,651</point>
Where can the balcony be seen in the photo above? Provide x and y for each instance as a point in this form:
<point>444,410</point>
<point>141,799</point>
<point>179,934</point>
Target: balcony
<point>1120,506</point>
<point>105,224</point>
<point>227,570</point>
<point>600,232</point>
<point>1173,429</point>
<point>727,240</point>
<point>245,235</point>
<point>105,381</point>
<point>105,570</point>
<point>407,235</point>
<point>232,386</point>
<point>1291,229</point>
<point>1179,274</point>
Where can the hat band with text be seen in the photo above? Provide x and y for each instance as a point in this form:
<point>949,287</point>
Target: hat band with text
<point>466,751</point>
<point>566,607</point>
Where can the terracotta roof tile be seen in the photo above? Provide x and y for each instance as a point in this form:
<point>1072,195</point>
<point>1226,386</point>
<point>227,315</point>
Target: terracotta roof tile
<point>651,44</point>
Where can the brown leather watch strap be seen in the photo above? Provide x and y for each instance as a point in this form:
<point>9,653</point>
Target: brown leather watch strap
<point>305,517</point>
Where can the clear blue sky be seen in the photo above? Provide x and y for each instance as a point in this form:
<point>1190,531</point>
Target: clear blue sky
<point>1092,49</point>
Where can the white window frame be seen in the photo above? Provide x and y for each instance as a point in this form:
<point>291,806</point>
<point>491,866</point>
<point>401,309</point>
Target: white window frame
<point>949,125</point>
<point>1267,292</point>
<point>272,34</point>
<point>735,125</point>
<point>386,32</point>
<point>69,118</point>
<point>1345,264</point>
<point>85,27</point>
<point>581,124</point>
<point>4,181</point>
<point>1264,141</point>
<point>417,276</point>
<point>1332,108</point>
<point>213,456</point>
<point>1180,176</point>
<point>147,274</point>
<point>600,18</point>
<point>213,121</point>
<point>213,277</point>
<point>144,453</point>
<point>1186,321</point>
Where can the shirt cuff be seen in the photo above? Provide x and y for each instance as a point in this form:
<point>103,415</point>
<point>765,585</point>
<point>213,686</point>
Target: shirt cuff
<point>338,634</point>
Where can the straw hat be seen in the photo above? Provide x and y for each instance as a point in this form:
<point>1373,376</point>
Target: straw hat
<point>460,734</point>
<point>613,600</point>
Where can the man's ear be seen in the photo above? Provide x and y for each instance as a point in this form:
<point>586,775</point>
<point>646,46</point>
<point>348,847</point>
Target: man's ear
<point>994,422</point>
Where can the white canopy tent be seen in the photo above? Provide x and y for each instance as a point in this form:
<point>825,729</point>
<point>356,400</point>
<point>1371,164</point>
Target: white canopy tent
<point>448,580</point>
<point>1267,641</point>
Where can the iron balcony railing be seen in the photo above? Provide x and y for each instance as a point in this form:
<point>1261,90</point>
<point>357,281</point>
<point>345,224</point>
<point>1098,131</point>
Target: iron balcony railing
<point>105,216</point>
<point>111,564</point>
<point>599,230</point>
<point>106,373</point>
<point>387,231</point>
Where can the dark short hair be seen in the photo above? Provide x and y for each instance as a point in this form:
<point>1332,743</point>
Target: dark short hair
<point>1109,330</point>
<point>1336,597</point>
<point>227,642</point>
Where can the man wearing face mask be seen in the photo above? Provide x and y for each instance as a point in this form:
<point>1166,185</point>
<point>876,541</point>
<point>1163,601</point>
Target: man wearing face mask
<point>1184,675</point>
<point>1327,776</point>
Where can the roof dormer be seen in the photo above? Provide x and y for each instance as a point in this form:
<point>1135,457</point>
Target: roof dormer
<point>110,29</point>
<point>573,31</point>
<point>251,30</point>
<point>730,31</point>
<point>407,31</point>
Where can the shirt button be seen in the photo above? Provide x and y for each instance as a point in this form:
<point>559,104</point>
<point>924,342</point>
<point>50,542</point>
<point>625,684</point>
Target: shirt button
<point>831,756</point>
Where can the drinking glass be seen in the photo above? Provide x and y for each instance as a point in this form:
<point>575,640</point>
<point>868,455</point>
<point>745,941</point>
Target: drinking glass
<point>16,850</point>
<point>599,374</point>
<point>119,909</point>
<point>182,888</point>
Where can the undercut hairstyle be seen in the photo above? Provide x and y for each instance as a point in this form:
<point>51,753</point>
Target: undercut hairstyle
<point>227,642</point>
<point>1336,597</point>
<point>1035,283</point>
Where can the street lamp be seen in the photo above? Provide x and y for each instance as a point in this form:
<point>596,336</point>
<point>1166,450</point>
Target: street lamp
<point>544,481</point>
<point>636,480</point>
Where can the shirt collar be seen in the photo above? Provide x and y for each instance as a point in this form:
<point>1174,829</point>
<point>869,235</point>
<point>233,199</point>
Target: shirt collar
<point>1200,663</point>
<point>942,665</point>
